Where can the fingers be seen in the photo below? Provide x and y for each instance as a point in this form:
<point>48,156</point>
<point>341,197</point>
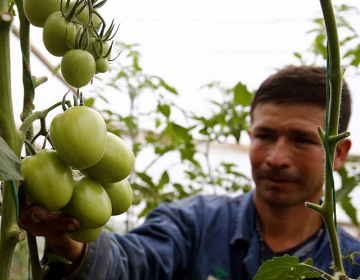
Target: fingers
<point>39,222</point>
<point>63,224</point>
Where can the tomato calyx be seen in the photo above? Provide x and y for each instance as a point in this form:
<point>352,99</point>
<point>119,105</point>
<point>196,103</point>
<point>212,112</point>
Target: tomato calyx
<point>65,103</point>
<point>69,13</point>
<point>98,46</point>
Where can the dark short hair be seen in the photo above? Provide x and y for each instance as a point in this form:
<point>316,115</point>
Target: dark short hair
<point>303,84</point>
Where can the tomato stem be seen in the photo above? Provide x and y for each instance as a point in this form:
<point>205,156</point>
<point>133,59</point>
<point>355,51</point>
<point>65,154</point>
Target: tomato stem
<point>30,147</point>
<point>37,271</point>
<point>9,134</point>
<point>327,208</point>
<point>38,116</point>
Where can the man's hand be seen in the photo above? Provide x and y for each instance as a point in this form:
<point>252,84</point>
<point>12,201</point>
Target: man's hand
<point>53,226</point>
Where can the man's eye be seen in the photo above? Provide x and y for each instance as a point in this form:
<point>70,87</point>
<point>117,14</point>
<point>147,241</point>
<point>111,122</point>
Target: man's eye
<point>304,140</point>
<point>263,136</point>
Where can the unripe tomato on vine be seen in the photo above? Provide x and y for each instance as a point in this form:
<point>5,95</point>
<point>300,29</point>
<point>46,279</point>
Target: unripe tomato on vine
<point>37,11</point>
<point>59,34</point>
<point>79,136</point>
<point>48,180</point>
<point>116,163</point>
<point>78,67</point>
<point>90,203</point>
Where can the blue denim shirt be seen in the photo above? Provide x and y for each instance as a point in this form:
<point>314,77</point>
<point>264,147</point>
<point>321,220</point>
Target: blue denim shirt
<point>194,239</point>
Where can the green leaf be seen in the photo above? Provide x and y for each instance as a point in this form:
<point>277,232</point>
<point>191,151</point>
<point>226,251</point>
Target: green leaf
<point>10,165</point>
<point>241,95</point>
<point>179,188</point>
<point>348,183</point>
<point>298,55</point>
<point>220,273</point>
<point>144,212</point>
<point>11,5</point>
<point>89,102</point>
<point>355,54</point>
<point>286,268</point>
<point>146,178</point>
<point>182,132</point>
<point>164,180</point>
<point>165,85</point>
<point>191,175</point>
<point>164,109</point>
<point>350,210</point>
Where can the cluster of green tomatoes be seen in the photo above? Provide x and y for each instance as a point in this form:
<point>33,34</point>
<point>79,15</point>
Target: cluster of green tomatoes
<point>75,31</point>
<point>101,161</point>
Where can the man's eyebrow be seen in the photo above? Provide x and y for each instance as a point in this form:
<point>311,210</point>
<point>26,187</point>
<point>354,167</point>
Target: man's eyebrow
<point>301,132</point>
<point>264,129</point>
<point>294,131</point>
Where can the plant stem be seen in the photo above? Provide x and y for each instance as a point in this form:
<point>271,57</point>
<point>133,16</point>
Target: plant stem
<point>36,116</point>
<point>29,90</point>
<point>10,232</point>
<point>335,99</point>
<point>28,83</point>
<point>37,271</point>
<point>327,208</point>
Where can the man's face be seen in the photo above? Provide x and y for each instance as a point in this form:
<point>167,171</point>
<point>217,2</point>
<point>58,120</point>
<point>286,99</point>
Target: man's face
<point>286,154</point>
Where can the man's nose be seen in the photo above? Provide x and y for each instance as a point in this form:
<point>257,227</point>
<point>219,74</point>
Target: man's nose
<point>279,156</point>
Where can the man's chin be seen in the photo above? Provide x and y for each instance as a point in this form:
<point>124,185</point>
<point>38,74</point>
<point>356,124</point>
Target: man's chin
<point>276,198</point>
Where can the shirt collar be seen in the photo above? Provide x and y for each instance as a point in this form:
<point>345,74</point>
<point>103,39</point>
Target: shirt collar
<point>244,217</point>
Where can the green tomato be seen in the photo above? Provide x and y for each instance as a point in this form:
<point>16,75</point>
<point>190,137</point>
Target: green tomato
<point>151,202</point>
<point>78,67</point>
<point>84,16</point>
<point>101,48</point>
<point>102,65</point>
<point>48,180</point>
<point>89,203</point>
<point>85,235</point>
<point>137,199</point>
<point>57,31</point>
<point>120,194</point>
<point>116,163</point>
<point>37,11</point>
<point>79,136</point>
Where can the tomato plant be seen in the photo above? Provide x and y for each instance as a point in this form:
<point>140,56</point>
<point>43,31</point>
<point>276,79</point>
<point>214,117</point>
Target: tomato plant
<point>37,11</point>
<point>116,163</point>
<point>121,196</point>
<point>78,67</point>
<point>48,180</point>
<point>79,136</point>
<point>89,203</point>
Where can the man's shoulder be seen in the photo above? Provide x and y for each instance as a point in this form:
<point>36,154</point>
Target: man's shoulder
<point>207,201</point>
<point>201,204</point>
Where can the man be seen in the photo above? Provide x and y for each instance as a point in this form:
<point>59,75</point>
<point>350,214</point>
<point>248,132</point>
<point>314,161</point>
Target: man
<point>207,237</point>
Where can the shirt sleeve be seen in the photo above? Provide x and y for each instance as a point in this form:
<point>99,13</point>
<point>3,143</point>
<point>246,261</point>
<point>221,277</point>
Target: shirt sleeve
<point>159,249</point>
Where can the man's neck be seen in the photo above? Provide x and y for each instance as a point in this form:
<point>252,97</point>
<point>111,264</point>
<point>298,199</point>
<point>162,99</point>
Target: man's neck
<point>285,228</point>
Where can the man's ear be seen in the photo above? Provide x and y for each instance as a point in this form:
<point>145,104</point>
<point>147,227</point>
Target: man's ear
<point>342,150</point>
<point>249,133</point>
